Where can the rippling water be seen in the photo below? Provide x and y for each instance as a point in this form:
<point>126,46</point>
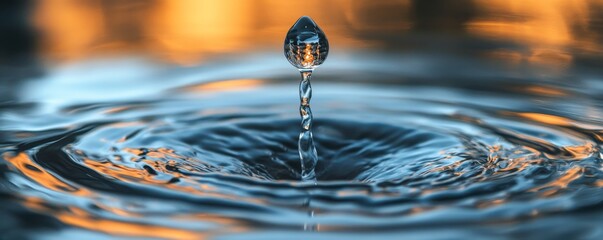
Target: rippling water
<point>211,151</point>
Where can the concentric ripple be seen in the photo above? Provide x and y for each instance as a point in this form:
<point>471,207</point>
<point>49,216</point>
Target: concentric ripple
<point>193,163</point>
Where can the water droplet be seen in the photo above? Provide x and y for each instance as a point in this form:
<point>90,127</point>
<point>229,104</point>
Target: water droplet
<point>306,45</point>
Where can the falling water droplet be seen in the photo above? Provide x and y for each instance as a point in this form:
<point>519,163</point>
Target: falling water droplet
<point>306,47</point>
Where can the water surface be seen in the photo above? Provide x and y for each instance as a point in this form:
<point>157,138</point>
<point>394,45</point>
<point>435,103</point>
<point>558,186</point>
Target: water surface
<point>477,129</point>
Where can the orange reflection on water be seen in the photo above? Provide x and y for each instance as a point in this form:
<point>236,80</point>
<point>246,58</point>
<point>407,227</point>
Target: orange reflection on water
<point>490,203</point>
<point>546,118</point>
<point>136,175</point>
<point>225,85</point>
<point>234,225</point>
<point>121,109</point>
<point>519,164</point>
<point>560,183</point>
<point>128,174</point>
<point>558,121</point>
<point>36,204</point>
<point>577,152</point>
<point>77,217</point>
<point>80,218</point>
<point>570,175</point>
<point>38,174</point>
<point>544,90</point>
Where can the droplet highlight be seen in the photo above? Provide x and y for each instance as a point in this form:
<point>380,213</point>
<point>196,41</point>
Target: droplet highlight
<point>306,46</point>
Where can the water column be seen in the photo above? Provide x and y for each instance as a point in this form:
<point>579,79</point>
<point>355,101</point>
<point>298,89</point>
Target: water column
<point>306,47</point>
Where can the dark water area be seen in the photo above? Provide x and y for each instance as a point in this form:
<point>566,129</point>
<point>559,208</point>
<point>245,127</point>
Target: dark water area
<point>432,120</point>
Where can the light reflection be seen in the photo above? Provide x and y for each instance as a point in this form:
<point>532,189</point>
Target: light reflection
<point>81,219</point>
<point>188,31</point>
<point>25,165</point>
<point>519,164</point>
<point>546,119</point>
<point>544,90</point>
<point>560,183</point>
<point>120,109</point>
<point>557,121</point>
<point>574,152</point>
<point>78,217</point>
<point>225,85</point>
<point>142,176</point>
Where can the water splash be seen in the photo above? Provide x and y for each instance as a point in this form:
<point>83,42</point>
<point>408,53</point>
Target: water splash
<point>306,47</point>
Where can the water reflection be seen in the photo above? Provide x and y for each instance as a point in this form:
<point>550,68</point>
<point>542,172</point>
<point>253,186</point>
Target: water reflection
<point>176,119</point>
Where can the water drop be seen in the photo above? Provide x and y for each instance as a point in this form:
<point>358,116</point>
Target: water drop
<point>306,47</point>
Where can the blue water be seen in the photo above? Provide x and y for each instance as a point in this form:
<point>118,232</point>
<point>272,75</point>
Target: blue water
<point>153,150</point>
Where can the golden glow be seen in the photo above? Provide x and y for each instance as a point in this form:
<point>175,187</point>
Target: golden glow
<point>546,119</point>
<point>68,28</point>
<point>397,11</point>
<point>127,174</point>
<point>561,182</point>
<point>544,90</point>
<point>78,217</point>
<point>225,85</point>
<point>568,177</point>
<point>580,152</point>
<point>548,28</point>
<point>536,22</point>
<point>136,175</point>
<point>185,28</point>
<point>128,229</point>
<point>187,31</point>
<point>308,57</point>
<point>572,152</point>
<point>519,164</point>
<point>555,120</point>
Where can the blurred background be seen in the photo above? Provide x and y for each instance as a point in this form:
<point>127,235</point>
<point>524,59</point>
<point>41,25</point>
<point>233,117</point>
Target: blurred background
<point>556,33</point>
<point>550,38</point>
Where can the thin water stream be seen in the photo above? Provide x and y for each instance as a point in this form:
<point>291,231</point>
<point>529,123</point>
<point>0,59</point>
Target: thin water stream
<point>306,47</point>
